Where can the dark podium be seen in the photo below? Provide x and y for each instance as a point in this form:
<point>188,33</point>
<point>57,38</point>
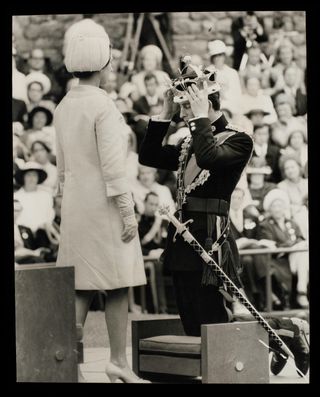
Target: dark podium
<point>46,346</point>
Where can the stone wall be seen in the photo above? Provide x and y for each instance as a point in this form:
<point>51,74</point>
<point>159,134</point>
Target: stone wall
<point>190,30</point>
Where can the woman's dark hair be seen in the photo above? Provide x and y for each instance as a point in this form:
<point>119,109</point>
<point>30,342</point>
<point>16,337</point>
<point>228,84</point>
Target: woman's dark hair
<point>150,194</point>
<point>150,76</point>
<point>83,75</point>
<point>215,100</point>
<point>35,82</point>
<point>44,145</point>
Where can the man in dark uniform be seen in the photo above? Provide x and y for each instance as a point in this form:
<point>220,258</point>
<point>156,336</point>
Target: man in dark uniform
<point>209,165</point>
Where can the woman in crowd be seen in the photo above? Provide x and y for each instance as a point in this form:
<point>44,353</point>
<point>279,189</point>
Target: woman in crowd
<point>91,152</point>
<point>40,128</point>
<point>38,85</point>
<point>37,204</point>
<point>41,155</point>
<point>296,188</point>
<point>297,146</point>
<point>151,60</point>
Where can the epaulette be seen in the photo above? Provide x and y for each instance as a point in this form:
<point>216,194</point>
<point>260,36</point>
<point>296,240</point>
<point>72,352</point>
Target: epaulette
<point>234,128</point>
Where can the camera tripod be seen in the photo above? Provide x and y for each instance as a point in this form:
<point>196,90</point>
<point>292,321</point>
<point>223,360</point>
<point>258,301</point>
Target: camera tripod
<point>132,38</point>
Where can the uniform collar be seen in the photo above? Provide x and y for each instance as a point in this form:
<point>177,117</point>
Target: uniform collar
<point>219,125</point>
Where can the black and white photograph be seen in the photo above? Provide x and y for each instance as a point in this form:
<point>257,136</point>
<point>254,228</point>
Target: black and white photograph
<point>161,197</point>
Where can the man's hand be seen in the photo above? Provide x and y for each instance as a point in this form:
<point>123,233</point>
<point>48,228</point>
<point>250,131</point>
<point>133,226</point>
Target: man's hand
<point>198,100</point>
<point>170,108</point>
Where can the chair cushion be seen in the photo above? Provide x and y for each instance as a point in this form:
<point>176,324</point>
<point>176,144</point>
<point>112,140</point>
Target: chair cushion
<point>172,345</point>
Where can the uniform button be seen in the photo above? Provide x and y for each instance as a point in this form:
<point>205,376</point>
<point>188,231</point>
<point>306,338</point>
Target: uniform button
<point>193,128</point>
<point>213,128</point>
<point>192,124</point>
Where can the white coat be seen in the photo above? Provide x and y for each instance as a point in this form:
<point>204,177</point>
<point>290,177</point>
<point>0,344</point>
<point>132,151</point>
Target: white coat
<point>91,152</point>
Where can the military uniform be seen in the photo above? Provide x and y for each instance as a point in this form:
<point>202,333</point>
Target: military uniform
<point>209,165</point>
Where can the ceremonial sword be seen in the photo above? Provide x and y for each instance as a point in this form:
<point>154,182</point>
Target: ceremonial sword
<point>183,230</point>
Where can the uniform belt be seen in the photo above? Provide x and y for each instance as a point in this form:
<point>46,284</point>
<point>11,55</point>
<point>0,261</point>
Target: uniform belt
<point>209,206</point>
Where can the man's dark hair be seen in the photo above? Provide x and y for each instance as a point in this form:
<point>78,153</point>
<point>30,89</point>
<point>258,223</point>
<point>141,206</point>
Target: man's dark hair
<point>43,144</point>
<point>150,194</point>
<point>150,76</point>
<point>215,100</point>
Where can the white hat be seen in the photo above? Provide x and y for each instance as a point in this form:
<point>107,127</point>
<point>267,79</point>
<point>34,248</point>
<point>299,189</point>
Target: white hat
<point>39,77</point>
<point>151,49</point>
<point>216,47</point>
<point>88,48</point>
<point>275,194</point>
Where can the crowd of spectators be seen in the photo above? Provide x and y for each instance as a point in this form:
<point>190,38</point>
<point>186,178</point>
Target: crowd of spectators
<point>265,96</point>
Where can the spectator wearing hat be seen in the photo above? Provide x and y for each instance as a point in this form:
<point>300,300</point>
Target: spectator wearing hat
<point>265,153</point>
<point>256,116</point>
<point>246,30</point>
<point>227,77</point>
<point>253,98</point>
<point>37,212</point>
<point>296,188</point>
<point>40,128</point>
<point>286,123</point>
<point>91,153</point>
<point>38,85</point>
<point>151,60</point>
<point>26,249</point>
<point>41,154</point>
<point>258,186</point>
<point>285,233</point>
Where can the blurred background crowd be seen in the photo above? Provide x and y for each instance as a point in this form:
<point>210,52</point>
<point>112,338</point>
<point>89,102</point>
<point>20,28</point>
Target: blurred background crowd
<point>261,67</point>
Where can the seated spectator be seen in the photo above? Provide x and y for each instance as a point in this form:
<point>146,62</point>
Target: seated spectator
<point>38,63</point>
<point>19,84</point>
<point>265,153</point>
<point>26,249</point>
<point>286,123</point>
<point>297,147</point>
<point>38,85</point>
<point>19,112</point>
<point>37,205</point>
<point>254,66</point>
<point>41,155</point>
<point>40,128</point>
<point>111,85</point>
<point>227,77</point>
<point>152,244</point>
<point>253,98</point>
<point>294,88</point>
<point>246,30</point>
<point>151,59</point>
<point>145,184</point>
<point>258,186</point>
<point>296,187</point>
<point>274,77</point>
<point>285,233</point>
<point>151,103</point>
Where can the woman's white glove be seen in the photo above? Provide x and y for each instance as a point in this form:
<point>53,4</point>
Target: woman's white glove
<point>126,207</point>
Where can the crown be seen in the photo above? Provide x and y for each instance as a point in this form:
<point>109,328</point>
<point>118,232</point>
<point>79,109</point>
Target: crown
<point>193,74</point>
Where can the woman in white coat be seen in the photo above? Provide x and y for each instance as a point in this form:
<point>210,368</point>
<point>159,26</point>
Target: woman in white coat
<point>98,226</point>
